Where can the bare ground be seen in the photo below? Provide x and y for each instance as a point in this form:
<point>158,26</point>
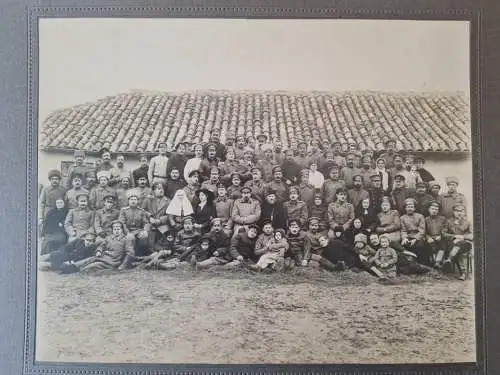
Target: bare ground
<point>310,316</point>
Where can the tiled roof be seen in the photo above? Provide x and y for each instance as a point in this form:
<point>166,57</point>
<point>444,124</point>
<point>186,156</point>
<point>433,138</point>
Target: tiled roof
<point>137,121</point>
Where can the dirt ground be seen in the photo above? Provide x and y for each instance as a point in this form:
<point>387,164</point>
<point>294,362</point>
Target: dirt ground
<point>310,316</point>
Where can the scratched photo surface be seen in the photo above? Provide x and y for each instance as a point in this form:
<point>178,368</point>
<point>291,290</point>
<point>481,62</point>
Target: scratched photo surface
<point>237,191</point>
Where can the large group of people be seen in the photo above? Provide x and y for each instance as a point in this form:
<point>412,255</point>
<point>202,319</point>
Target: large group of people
<point>253,204</point>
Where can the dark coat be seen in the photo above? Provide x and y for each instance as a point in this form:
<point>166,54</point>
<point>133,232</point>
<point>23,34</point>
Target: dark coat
<point>275,213</point>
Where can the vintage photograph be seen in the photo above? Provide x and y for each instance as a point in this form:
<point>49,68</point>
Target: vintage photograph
<point>254,191</point>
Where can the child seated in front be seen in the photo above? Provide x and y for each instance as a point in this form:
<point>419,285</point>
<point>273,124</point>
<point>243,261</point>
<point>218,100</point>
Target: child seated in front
<point>386,258</point>
<point>275,252</point>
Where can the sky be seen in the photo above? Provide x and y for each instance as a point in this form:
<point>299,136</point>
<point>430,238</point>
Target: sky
<point>83,60</point>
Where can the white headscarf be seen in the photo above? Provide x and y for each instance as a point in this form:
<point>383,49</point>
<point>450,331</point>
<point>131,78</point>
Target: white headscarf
<point>180,204</point>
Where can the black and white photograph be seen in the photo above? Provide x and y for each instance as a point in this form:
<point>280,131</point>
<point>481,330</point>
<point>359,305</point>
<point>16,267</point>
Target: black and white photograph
<point>254,191</point>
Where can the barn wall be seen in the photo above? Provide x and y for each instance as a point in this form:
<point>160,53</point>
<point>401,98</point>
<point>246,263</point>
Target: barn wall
<point>440,165</point>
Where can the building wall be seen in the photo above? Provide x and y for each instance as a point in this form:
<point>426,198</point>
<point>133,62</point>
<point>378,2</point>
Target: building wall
<point>440,165</point>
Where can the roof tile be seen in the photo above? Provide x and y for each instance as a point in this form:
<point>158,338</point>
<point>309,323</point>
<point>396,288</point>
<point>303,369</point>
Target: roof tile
<point>137,121</point>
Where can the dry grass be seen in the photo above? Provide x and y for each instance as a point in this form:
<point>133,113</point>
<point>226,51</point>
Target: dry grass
<point>310,316</point>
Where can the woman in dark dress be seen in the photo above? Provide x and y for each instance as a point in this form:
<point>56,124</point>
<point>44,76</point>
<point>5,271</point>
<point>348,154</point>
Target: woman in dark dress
<point>204,210</point>
<point>367,212</point>
<point>53,233</point>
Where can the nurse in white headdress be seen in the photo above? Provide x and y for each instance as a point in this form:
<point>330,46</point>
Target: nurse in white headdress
<point>178,209</point>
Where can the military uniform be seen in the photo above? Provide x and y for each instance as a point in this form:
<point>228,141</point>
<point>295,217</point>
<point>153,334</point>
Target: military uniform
<point>97,195</point>
<point>399,196</point>
<point>330,190</point>
<point>267,166</point>
<point>141,192</point>
<point>340,214</point>
<point>48,198</point>
<point>280,188</point>
<point>347,174</point>
<point>134,221</point>
<point>355,195</point>
<point>297,245</point>
<point>104,219</point>
<point>413,228</point>
<point>71,195</point>
<point>447,202</point>
<point>257,188</point>
<point>79,220</point>
<point>296,210</point>
<point>389,223</point>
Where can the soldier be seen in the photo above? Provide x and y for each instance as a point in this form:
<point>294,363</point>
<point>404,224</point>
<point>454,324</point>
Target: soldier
<point>400,193</point>
<point>332,184</point>
<point>366,170</point>
<point>77,168</point>
<point>390,153</point>
<point>186,238</point>
<point>142,170</point>
<point>79,220</point>
<point>434,225</point>
<point>458,233</point>
<point>348,172</point>
<point>234,190</point>
<point>209,161</point>
<point>50,194</point>
<point>106,164</point>
<point>213,181</point>
<point>290,168</point>
<point>337,154</point>
<point>141,190</point>
<point>357,193</point>
<point>105,216</point>
<point>312,245</point>
<point>135,221</point>
<point>423,199</point>
<point>157,169</point>
<point>242,248</point>
<point>451,197</point>
<point>220,149</point>
<point>278,185</point>
<point>224,207</point>
<point>302,160</point>
<point>267,163</point>
<point>297,240</point>
<point>340,212</point>
<point>156,206</point>
<point>295,209</point>
<point>246,210</point>
<point>192,185</point>
<point>306,190</point>
<point>413,232</point>
<point>174,182</point>
<point>388,221</point>
<point>102,190</point>
<point>376,192</point>
<point>76,188</point>
<point>256,185</point>
<point>121,192</point>
<point>119,171</point>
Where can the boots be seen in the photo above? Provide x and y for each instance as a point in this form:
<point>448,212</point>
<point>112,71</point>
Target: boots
<point>439,259</point>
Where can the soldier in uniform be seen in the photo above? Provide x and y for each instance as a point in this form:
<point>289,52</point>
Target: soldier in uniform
<point>246,210</point>
<point>413,232</point>
<point>77,168</point>
<point>434,225</point>
<point>192,185</point>
<point>332,184</point>
<point>186,238</point>
<point>121,192</point>
<point>76,188</point>
<point>79,220</point>
<point>267,163</point>
<point>256,185</point>
<point>50,194</point>
<point>119,171</point>
<point>213,181</point>
<point>157,169</point>
<point>357,193</point>
<point>458,233</point>
<point>302,160</point>
<point>400,193</point>
<point>209,161</point>
<point>105,216</point>
<point>376,192</point>
<point>135,221</point>
<point>451,197</point>
<point>389,154</point>
<point>142,170</point>
<point>340,213</point>
<point>295,209</point>
<point>278,185</point>
<point>338,158</point>
<point>290,168</point>
<point>423,198</point>
<point>106,164</point>
<point>224,207</point>
<point>102,190</point>
<point>306,190</point>
<point>142,190</point>
<point>350,170</point>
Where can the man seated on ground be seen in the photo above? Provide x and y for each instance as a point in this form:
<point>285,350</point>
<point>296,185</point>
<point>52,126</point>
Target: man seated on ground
<point>221,243</point>
<point>74,251</point>
<point>242,248</point>
<point>297,240</point>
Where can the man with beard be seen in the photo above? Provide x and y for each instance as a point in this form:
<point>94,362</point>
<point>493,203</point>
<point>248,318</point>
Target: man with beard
<point>142,170</point>
<point>178,159</point>
<point>119,171</point>
<point>423,199</point>
<point>306,190</point>
<point>209,161</point>
<point>267,163</point>
<point>349,170</point>
<point>272,211</point>
<point>434,189</point>
<point>357,193</point>
<point>174,182</point>
<point>106,164</point>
